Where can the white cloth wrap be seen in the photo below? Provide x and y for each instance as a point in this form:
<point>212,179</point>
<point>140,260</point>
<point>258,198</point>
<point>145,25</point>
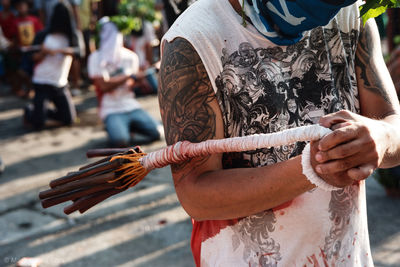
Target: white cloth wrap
<point>308,171</point>
<point>183,151</point>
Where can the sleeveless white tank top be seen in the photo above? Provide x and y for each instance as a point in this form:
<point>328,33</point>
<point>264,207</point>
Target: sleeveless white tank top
<point>263,88</point>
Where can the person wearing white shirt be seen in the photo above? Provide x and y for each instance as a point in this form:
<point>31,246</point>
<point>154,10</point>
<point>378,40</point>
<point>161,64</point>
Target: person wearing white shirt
<point>50,76</point>
<point>112,69</point>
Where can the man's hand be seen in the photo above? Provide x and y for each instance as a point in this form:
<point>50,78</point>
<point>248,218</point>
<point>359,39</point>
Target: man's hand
<point>338,179</point>
<point>356,147</point>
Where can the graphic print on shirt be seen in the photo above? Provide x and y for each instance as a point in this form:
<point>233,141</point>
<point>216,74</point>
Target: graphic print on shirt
<point>264,90</point>
<point>260,249</point>
<point>342,204</point>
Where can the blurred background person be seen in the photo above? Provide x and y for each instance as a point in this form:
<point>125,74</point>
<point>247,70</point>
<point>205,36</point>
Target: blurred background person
<point>10,55</point>
<point>142,42</point>
<point>88,18</point>
<point>25,27</point>
<point>50,77</point>
<point>7,19</point>
<point>45,8</point>
<point>112,69</point>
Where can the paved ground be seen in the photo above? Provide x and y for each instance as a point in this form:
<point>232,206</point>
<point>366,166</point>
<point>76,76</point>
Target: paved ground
<point>143,227</point>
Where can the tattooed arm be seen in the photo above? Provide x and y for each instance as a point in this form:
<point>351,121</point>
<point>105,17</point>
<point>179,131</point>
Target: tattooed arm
<point>190,111</point>
<point>362,143</point>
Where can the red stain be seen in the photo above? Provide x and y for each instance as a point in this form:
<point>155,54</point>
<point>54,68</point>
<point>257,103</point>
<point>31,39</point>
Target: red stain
<point>281,227</point>
<point>283,206</point>
<point>268,254</point>
<point>204,230</point>
<point>161,222</point>
<point>324,258</point>
<point>348,256</point>
<point>315,261</point>
<point>282,213</point>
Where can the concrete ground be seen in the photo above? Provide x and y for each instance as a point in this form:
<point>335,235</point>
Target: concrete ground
<point>144,226</point>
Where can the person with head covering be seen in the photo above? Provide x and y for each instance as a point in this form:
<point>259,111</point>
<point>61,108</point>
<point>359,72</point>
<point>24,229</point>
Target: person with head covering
<point>113,68</point>
<point>232,68</point>
<point>50,76</point>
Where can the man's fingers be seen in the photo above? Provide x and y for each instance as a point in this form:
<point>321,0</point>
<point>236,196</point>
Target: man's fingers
<point>340,125</point>
<point>329,122</point>
<point>345,164</point>
<point>339,152</point>
<point>361,172</point>
<point>337,137</point>
<point>334,118</point>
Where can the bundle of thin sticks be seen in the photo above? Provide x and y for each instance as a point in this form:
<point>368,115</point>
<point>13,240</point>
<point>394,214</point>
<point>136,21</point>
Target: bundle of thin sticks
<point>92,183</point>
<point>115,173</point>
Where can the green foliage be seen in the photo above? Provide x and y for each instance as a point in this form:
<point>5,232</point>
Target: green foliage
<point>143,9</point>
<point>131,14</point>
<point>374,8</point>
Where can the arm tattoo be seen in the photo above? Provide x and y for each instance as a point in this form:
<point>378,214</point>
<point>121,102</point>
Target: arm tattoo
<point>185,96</point>
<point>368,74</point>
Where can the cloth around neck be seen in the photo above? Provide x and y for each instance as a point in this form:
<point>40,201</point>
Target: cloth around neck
<point>284,22</point>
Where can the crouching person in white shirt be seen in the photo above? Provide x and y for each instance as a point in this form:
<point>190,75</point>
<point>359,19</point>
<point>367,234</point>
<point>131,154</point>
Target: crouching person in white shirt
<point>112,69</point>
<point>50,76</point>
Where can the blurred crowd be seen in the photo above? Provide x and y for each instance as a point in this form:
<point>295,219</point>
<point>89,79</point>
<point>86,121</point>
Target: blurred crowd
<point>51,50</point>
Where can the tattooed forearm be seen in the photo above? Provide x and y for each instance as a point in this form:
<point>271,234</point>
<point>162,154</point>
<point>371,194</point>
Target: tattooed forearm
<point>368,72</point>
<point>185,96</point>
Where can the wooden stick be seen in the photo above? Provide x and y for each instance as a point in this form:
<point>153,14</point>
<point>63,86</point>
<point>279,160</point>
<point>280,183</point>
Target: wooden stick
<point>87,172</point>
<point>103,152</point>
<point>75,185</point>
<point>94,200</point>
<point>107,151</point>
<point>95,163</point>
<point>49,202</point>
<point>86,202</point>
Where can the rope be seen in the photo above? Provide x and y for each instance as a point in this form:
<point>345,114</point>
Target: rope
<point>183,151</point>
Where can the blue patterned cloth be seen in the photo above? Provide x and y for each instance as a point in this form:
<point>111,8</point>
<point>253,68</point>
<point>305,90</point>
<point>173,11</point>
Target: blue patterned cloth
<point>284,21</point>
